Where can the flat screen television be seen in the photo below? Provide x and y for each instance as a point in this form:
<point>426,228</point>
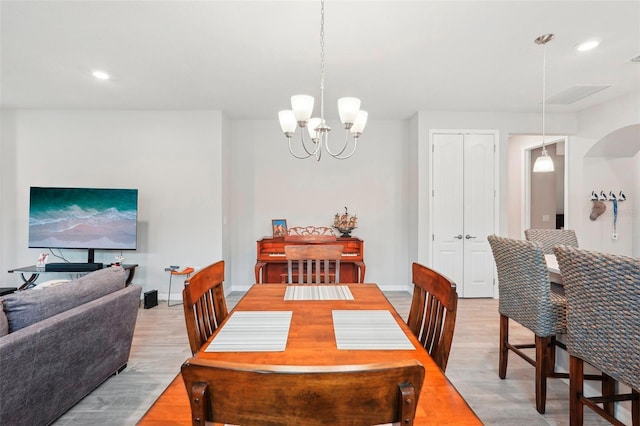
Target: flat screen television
<point>83,218</point>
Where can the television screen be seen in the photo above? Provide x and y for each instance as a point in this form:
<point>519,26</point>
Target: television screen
<point>79,218</point>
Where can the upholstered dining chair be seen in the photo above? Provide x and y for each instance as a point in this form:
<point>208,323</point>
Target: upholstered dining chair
<point>432,316</point>
<point>315,263</point>
<point>204,304</point>
<point>526,297</point>
<point>603,328</point>
<point>550,237</point>
<point>235,393</point>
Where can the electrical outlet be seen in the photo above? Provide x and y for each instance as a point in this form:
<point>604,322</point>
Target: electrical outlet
<point>545,218</point>
<point>614,236</point>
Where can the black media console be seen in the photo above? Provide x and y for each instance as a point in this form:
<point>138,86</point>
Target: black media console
<point>72,267</point>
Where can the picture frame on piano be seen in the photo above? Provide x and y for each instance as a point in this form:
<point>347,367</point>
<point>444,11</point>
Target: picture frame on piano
<point>279,227</point>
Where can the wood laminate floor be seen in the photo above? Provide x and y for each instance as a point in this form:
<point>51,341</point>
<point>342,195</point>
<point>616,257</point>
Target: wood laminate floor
<point>160,346</point>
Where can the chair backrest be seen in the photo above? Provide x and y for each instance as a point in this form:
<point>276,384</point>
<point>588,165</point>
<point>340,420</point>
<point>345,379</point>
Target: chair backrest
<point>523,284</point>
<point>432,317</point>
<point>603,310</point>
<point>314,262</point>
<point>204,304</point>
<point>551,237</point>
<point>235,393</point>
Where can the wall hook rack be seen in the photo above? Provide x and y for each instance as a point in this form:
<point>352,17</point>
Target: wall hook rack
<point>602,196</point>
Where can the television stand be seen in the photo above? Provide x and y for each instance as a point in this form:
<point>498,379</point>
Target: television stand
<point>35,273</point>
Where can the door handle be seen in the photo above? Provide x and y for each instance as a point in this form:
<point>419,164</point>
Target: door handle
<point>459,236</point>
<point>468,237</point>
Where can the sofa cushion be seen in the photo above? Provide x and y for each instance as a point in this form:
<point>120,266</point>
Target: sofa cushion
<point>4,324</point>
<point>28,307</point>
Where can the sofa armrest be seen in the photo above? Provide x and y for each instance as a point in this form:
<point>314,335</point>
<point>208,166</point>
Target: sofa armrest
<point>54,363</point>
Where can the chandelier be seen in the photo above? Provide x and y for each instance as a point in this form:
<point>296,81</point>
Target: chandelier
<point>352,117</point>
<point>544,163</point>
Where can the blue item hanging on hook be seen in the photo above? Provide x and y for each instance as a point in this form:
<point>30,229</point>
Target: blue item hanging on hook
<point>615,219</point>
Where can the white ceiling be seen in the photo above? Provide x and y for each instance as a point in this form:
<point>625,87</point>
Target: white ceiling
<point>248,57</point>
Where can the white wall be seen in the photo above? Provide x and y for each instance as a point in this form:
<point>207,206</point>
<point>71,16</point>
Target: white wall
<point>585,174</point>
<point>414,189</point>
<point>8,166</point>
<point>605,173</point>
<point>172,157</point>
<point>268,183</point>
<point>227,196</point>
<point>636,208</point>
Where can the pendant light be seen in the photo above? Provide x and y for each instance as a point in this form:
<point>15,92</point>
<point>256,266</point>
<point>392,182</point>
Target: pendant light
<point>544,163</point>
<point>352,117</point>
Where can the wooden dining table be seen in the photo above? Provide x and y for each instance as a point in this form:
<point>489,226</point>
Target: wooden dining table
<point>554,269</point>
<point>311,341</point>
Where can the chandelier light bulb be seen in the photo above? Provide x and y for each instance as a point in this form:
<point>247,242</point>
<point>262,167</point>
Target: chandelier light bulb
<point>287,122</point>
<point>302,106</point>
<point>313,126</point>
<point>359,123</point>
<point>348,109</point>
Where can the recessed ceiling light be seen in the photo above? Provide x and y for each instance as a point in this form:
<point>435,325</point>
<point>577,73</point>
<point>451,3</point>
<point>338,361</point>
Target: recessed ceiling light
<point>587,45</point>
<point>100,75</point>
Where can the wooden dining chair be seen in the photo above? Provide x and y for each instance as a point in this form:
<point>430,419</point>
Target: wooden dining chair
<point>236,393</point>
<point>204,304</point>
<point>432,317</point>
<point>314,263</point>
<point>526,297</point>
<point>550,237</point>
<point>603,328</point>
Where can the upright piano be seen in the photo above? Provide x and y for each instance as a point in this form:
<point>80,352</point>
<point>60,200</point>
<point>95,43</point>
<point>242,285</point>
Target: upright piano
<point>271,264</point>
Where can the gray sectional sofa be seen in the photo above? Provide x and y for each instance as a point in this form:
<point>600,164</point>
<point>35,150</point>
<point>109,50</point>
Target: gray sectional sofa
<point>59,343</point>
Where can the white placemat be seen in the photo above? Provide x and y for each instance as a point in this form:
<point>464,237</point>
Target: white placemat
<point>368,329</point>
<point>318,292</point>
<point>253,331</point>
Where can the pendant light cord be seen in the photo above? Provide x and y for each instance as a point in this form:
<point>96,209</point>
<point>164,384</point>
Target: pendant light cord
<point>322,61</point>
<point>544,91</point>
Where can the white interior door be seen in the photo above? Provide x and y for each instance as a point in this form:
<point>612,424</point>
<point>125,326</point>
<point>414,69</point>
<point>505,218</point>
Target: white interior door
<point>448,205</point>
<point>479,202</point>
<point>463,210</point>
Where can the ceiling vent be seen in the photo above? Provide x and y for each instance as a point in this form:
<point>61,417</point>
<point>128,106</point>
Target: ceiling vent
<point>635,59</point>
<point>575,93</point>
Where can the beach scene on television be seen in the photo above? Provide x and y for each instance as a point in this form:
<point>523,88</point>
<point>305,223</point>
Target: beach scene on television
<point>95,218</point>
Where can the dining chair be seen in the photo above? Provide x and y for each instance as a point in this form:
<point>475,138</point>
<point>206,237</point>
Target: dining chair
<point>237,393</point>
<point>550,237</point>
<point>603,328</point>
<point>432,316</point>
<point>526,298</point>
<point>204,304</point>
<point>314,263</point>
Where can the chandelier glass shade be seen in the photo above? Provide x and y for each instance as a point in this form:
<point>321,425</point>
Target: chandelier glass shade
<point>352,117</point>
<point>544,163</point>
